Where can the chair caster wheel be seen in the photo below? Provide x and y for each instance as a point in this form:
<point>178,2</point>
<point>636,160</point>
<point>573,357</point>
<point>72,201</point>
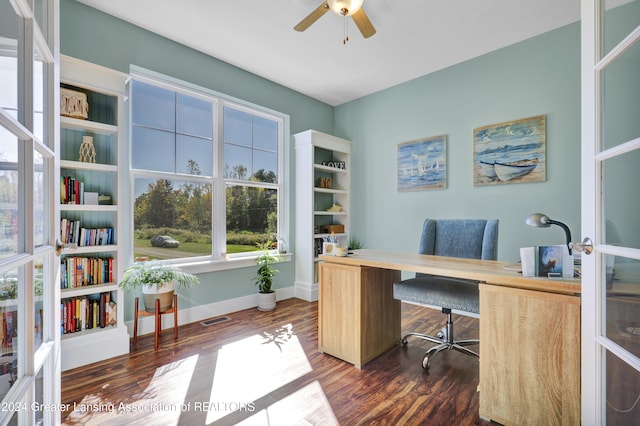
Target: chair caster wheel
<point>425,363</point>
<point>403,342</point>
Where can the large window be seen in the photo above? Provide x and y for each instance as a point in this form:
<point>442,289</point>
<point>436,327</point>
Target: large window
<point>206,173</point>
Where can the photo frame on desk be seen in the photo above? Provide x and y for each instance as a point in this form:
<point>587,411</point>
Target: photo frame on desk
<point>546,261</point>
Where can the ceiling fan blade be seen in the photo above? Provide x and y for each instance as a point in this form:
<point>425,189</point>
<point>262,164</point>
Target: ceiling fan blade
<point>363,23</point>
<point>312,17</point>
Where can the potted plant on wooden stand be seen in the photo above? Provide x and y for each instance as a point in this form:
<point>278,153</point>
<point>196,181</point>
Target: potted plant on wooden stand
<point>156,280</point>
<point>266,272</point>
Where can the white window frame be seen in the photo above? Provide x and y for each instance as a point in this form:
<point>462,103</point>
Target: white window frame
<point>219,260</point>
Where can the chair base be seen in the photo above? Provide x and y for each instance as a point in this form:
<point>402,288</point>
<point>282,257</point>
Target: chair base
<point>444,340</point>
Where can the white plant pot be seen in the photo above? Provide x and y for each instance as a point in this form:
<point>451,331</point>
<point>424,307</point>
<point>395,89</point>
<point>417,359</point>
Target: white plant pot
<point>151,292</point>
<point>267,301</point>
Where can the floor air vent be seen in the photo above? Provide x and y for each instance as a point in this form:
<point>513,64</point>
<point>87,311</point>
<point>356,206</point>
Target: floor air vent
<point>214,321</point>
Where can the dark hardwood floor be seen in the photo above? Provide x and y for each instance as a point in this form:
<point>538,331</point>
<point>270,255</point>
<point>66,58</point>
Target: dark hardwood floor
<point>264,368</point>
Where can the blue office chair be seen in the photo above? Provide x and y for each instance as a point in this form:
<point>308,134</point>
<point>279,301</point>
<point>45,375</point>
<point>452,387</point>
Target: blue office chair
<point>467,238</point>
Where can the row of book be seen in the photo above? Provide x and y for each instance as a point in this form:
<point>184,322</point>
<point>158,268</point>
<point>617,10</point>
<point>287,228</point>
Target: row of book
<point>72,233</point>
<point>71,190</point>
<point>81,271</point>
<point>84,313</point>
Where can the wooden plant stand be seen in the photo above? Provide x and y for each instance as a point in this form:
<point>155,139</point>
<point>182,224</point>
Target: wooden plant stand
<point>158,319</point>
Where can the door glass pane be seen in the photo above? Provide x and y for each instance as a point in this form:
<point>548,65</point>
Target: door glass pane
<point>38,13</point>
<point>619,21</point>
<point>9,326</point>
<point>38,199</point>
<point>622,391</point>
<point>621,205</point>
<point>8,194</point>
<point>8,58</point>
<point>621,99</point>
<point>38,95</point>
<point>39,398</point>
<point>38,301</point>
<point>622,298</point>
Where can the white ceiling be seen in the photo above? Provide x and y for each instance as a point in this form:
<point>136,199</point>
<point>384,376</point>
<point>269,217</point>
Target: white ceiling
<point>414,37</point>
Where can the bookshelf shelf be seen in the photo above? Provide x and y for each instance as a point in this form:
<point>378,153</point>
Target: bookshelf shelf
<point>89,126</point>
<point>96,167</point>
<point>94,224</point>
<point>326,213</point>
<point>331,191</point>
<point>88,208</point>
<point>91,249</point>
<point>88,289</point>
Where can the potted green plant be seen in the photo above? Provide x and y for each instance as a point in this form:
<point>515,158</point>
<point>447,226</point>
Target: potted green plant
<point>355,244</point>
<point>156,280</point>
<point>266,272</point>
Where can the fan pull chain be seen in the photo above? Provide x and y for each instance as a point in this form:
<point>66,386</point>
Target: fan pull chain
<point>346,31</point>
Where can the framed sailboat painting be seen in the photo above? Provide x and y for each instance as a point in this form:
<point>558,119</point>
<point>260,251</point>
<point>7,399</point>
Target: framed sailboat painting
<point>422,164</point>
<point>510,152</point>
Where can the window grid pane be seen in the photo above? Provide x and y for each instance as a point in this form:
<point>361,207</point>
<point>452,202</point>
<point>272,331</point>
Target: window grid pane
<point>175,207</point>
<point>172,218</point>
<point>250,146</point>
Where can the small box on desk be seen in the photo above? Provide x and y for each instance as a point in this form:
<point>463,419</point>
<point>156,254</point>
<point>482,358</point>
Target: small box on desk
<point>546,261</point>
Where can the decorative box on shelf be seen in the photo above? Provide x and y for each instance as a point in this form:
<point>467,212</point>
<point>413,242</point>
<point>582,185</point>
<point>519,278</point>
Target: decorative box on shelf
<point>73,104</point>
<point>104,200</point>
<point>333,229</point>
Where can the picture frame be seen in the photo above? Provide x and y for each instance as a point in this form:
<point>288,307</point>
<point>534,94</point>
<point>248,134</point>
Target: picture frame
<point>510,152</point>
<point>422,164</point>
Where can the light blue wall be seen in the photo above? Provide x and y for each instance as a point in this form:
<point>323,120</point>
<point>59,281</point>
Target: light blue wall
<point>534,77</point>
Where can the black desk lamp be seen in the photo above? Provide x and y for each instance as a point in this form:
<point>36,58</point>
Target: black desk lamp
<point>540,220</point>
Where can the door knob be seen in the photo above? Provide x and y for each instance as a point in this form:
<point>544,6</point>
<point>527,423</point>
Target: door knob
<point>586,246</point>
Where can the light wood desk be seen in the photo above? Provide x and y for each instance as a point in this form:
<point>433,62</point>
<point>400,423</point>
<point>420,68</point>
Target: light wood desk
<point>529,328</point>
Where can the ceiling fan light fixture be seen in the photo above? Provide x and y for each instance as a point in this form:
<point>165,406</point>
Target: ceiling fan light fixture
<point>345,7</point>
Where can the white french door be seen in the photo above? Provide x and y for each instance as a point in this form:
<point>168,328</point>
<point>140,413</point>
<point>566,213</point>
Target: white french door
<point>611,211</point>
<point>29,335</point>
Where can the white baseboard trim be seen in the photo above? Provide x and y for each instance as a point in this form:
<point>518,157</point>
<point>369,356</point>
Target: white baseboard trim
<point>306,291</point>
<point>78,350</point>
<point>203,312</point>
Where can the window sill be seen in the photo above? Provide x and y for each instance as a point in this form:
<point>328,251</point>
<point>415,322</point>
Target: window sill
<point>202,267</point>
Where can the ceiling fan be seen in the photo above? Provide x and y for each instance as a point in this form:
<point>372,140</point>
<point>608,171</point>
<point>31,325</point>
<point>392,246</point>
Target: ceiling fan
<point>344,8</point>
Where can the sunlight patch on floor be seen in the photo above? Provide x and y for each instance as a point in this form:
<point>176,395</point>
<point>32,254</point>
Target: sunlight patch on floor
<point>308,405</point>
<point>251,368</point>
<point>159,403</point>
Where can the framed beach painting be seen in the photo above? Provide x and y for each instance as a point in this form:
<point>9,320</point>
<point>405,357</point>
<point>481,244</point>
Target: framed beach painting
<point>422,164</point>
<point>510,152</point>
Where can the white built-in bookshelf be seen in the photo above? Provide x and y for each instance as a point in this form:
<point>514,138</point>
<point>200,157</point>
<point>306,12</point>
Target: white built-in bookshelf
<point>322,171</point>
<point>91,305</point>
